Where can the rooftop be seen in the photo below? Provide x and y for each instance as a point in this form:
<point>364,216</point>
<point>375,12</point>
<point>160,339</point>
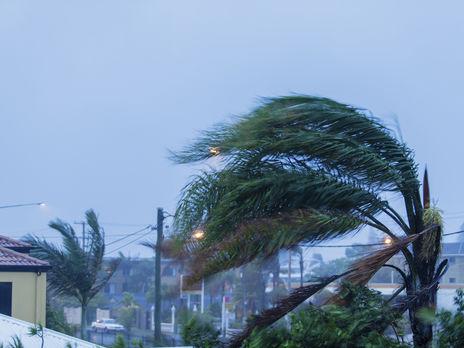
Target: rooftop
<point>11,260</point>
<point>16,245</point>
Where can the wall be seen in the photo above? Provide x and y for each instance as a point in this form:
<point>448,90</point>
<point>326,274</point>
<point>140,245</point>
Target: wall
<point>29,295</point>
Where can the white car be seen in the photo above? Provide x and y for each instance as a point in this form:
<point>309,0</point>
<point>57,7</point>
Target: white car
<point>107,325</point>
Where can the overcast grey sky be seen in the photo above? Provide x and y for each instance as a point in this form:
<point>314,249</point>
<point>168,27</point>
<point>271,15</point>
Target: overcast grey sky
<point>93,93</point>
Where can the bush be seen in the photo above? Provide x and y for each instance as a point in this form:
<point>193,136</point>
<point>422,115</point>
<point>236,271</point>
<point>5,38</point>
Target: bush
<point>359,324</point>
<point>119,342</point>
<point>215,309</point>
<point>200,332</point>
<point>451,332</point>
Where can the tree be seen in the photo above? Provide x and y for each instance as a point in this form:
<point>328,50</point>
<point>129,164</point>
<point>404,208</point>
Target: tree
<point>451,332</point>
<point>128,312</point>
<point>305,169</point>
<point>77,271</point>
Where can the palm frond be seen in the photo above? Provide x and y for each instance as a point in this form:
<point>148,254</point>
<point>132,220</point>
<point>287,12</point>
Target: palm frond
<point>317,132</point>
<point>75,271</point>
<point>265,237</point>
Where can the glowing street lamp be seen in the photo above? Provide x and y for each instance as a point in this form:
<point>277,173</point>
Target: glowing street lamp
<point>388,240</point>
<point>215,151</point>
<point>198,234</point>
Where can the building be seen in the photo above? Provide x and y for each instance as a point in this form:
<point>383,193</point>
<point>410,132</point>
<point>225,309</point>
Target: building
<point>387,280</point>
<point>23,282</point>
<point>137,276</point>
<point>454,252</point>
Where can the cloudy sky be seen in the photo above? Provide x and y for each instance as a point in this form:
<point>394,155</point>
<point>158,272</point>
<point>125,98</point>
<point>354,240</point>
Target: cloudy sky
<point>94,93</point>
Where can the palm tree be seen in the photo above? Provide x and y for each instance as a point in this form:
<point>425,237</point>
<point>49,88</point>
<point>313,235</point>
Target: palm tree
<point>301,170</point>
<point>77,271</point>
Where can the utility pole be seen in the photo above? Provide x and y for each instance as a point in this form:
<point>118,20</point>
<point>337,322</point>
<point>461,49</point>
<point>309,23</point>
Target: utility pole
<point>159,241</point>
<point>83,223</point>
<point>289,270</point>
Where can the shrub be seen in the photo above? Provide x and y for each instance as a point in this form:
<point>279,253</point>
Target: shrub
<point>451,332</point>
<point>119,342</point>
<point>200,332</point>
<point>358,324</point>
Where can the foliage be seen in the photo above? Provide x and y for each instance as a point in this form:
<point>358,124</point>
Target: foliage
<point>119,342</point>
<point>56,320</point>
<point>359,324</point>
<point>15,342</point>
<point>127,313</point>
<point>451,325</point>
<point>77,271</point>
<point>200,332</point>
<point>38,331</point>
<point>214,309</point>
<point>304,169</point>
<point>137,343</point>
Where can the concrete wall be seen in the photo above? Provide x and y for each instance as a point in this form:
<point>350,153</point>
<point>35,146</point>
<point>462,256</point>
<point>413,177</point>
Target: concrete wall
<point>29,295</point>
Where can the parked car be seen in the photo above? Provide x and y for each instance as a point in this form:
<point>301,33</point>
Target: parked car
<point>107,325</point>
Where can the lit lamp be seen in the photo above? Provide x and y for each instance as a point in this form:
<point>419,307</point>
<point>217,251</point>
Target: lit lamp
<point>388,240</point>
<point>215,151</point>
<point>198,234</point>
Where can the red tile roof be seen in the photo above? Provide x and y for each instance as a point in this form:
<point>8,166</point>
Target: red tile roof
<point>11,260</point>
<point>7,242</point>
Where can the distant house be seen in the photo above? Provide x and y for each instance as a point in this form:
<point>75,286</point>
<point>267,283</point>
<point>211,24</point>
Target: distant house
<point>23,282</point>
<point>454,252</point>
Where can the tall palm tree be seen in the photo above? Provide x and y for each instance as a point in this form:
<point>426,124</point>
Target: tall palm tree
<point>77,271</point>
<point>303,169</point>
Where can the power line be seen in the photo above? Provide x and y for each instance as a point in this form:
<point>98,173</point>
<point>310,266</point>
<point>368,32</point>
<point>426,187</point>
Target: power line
<point>121,224</point>
<point>128,235</point>
<point>365,245</point>
<point>133,241</point>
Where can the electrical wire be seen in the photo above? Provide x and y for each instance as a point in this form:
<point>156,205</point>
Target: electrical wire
<point>131,242</point>
<point>128,235</point>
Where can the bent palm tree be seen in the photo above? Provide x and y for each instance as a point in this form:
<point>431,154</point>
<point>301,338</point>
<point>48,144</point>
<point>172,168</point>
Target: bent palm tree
<point>304,169</point>
<point>76,271</point>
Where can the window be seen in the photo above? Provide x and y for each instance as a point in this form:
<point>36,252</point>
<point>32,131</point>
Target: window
<point>169,271</point>
<point>5,298</point>
<point>452,280</point>
<point>452,259</point>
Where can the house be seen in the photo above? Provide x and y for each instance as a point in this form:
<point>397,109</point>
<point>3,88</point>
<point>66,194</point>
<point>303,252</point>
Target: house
<point>137,276</point>
<point>23,282</point>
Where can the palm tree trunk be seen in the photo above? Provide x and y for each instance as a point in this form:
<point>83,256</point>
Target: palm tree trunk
<point>83,321</point>
<point>426,268</point>
<point>422,331</point>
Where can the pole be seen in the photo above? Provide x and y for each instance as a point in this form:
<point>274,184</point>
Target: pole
<point>289,270</point>
<point>159,241</point>
<point>202,305</point>
<point>83,223</point>
<point>301,267</point>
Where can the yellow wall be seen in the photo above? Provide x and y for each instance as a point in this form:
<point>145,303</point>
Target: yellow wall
<point>29,295</point>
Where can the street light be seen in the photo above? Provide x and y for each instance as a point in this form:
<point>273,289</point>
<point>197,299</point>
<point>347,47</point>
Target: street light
<point>198,234</point>
<point>41,204</point>
<point>388,240</point>
<point>214,151</point>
